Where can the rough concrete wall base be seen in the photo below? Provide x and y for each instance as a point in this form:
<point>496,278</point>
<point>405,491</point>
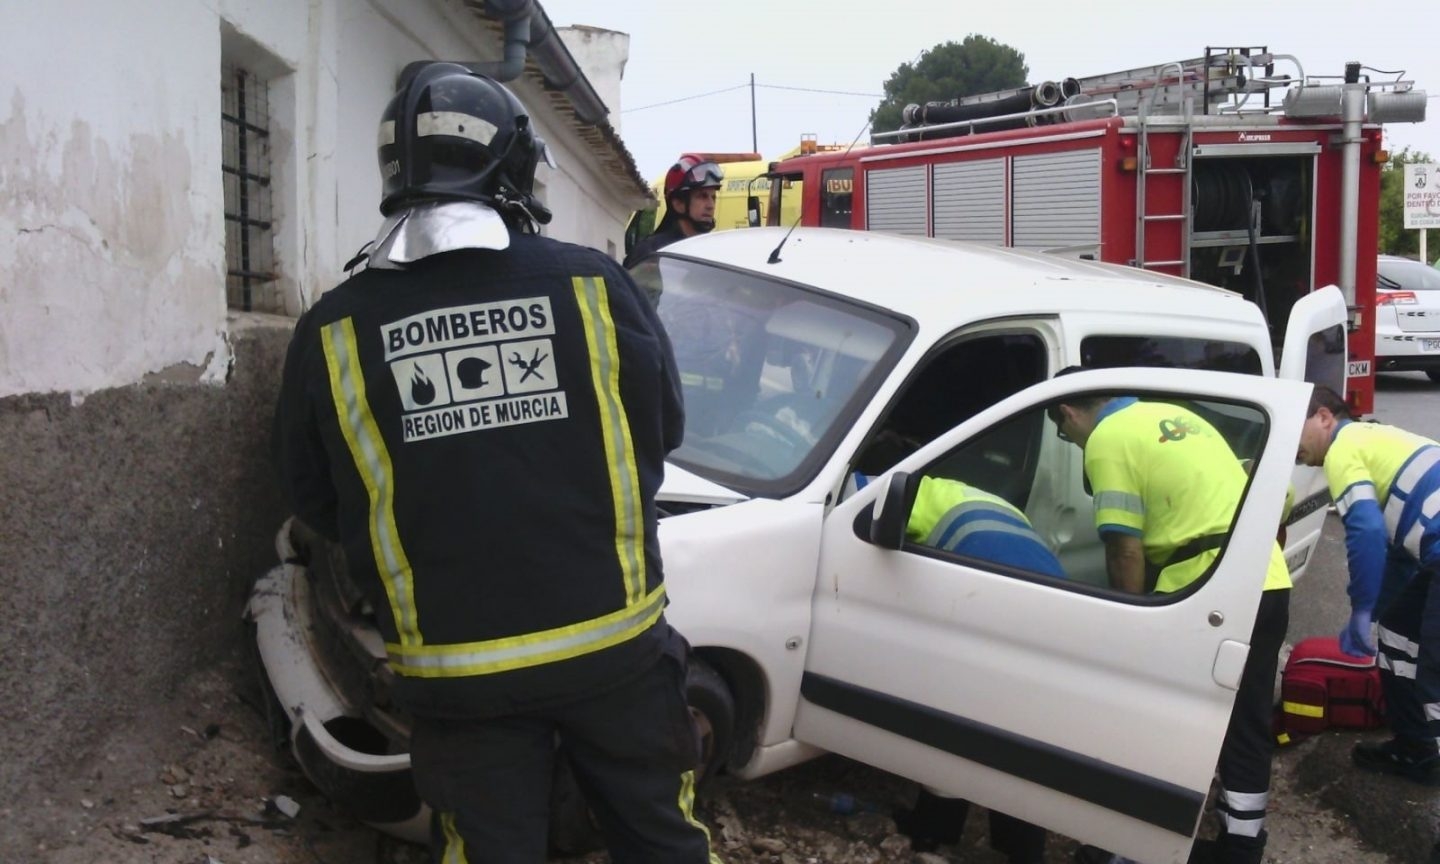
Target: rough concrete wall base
<point>131,527</point>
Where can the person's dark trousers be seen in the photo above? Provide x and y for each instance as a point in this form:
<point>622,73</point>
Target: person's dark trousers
<point>1250,739</point>
<point>633,749</point>
<point>1409,643</point>
<point>936,820</point>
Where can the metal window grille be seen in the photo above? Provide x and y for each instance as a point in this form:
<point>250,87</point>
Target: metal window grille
<point>250,281</point>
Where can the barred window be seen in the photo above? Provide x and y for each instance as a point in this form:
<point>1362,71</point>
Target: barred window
<point>250,278</point>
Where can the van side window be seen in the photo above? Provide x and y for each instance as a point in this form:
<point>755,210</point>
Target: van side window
<point>953,385</point>
<point>1325,358</point>
<point>1003,502</point>
<point>1176,352</point>
<point>836,194</point>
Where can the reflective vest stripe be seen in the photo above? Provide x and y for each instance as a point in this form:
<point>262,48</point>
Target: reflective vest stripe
<point>1358,492</point>
<point>1124,501</point>
<point>1414,468</point>
<point>954,529</point>
<point>530,649</point>
<point>372,460</point>
<point>594,301</point>
<point>454,844</point>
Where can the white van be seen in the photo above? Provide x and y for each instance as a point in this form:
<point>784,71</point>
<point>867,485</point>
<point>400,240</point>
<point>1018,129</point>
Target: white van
<point>812,359</point>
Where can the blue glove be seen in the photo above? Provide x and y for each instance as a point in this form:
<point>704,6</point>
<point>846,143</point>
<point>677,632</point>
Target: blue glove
<point>1355,638</point>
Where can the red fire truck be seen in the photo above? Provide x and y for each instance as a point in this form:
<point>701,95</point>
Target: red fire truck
<point>1186,168</point>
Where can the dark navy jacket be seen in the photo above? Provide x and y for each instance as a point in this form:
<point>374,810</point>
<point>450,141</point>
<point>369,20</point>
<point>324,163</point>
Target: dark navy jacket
<point>484,433</point>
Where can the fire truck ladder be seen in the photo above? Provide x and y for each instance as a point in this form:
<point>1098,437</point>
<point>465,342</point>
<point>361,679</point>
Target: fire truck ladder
<point>1167,224</point>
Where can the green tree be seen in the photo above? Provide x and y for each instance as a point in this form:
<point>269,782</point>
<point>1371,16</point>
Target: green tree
<point>1395,239</point>
<point>951,69</point>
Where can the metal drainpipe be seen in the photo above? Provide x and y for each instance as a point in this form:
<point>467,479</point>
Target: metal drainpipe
<point>528,30</point>
<point>1352,114</point>
<point>516,15</point>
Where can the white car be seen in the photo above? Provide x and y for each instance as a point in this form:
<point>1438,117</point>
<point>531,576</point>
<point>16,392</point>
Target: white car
<point>1407,316</point>
<point>812,361</point>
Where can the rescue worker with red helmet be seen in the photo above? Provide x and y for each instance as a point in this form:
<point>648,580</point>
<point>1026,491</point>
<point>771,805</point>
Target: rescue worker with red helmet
<point>691,185</point>
<point>471,394</point>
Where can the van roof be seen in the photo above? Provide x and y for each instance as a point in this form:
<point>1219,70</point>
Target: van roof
<point>948,282</point>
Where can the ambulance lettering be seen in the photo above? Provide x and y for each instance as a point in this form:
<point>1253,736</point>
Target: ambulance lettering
<point>463,369</point>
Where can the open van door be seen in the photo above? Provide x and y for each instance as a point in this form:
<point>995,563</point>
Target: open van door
<point>1314,352</point>
<point>1092,712</point>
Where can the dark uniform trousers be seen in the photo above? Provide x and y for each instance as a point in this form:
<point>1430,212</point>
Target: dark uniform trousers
<point>633,749</point>
<point>1250,740</point>
<point>1410,673</point>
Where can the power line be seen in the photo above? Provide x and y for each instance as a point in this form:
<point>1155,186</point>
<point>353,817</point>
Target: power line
<point>817,90</point>
<point>757,84</point>
<point>685,98</point>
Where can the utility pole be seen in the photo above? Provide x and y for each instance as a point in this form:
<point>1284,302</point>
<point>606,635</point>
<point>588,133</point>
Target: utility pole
<point>754,139</point>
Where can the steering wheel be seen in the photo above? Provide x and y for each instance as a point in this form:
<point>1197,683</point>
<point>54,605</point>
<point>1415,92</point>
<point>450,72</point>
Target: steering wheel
<point>771,424</point>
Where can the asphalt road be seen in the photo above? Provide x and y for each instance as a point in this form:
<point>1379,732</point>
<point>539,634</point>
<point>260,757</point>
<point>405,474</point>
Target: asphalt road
<point>1393,815</point>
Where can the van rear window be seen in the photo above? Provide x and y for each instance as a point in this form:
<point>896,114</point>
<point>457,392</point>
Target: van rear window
<point>1169,351</point>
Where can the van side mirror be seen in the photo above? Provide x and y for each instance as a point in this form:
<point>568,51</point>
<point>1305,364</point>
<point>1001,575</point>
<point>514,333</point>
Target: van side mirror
<point>891,510</point>
<point>752,211</point>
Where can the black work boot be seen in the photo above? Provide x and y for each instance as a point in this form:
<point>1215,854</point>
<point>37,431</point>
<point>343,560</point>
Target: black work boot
<point>1204,852</point>
<point>1416,761</point>
<point>1235,849</point>
<point>932,821</point>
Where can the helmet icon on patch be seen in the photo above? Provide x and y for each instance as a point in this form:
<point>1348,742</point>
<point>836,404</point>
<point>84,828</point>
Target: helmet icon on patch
<point>470,372</point>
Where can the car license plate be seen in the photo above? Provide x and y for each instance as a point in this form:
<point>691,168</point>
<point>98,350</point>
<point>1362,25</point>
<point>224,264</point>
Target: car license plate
<point>1296,559</point>
<point>1430,344</point>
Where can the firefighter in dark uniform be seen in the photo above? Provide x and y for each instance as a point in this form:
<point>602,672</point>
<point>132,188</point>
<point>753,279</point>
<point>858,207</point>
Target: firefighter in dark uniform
<point>691,185</point>
<point>480,417</point>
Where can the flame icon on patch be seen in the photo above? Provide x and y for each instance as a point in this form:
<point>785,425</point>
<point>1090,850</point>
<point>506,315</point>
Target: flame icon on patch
<point>422,389</point>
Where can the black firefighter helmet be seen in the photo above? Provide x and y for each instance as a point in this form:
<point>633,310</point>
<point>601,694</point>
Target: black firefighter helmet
<point>453,134</point>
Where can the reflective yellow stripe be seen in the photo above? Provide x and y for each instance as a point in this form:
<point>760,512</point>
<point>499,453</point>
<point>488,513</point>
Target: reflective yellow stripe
<point>594,301</point>
<point>1300,709</point>
<point>530,649</point>
<point>372,460</point>
<point>454,844</point>
<point>687,807</point>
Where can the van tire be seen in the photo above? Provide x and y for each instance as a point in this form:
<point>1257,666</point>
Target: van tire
<point>712,706</point>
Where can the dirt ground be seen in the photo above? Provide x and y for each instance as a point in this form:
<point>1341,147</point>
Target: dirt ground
<point>198,781</point>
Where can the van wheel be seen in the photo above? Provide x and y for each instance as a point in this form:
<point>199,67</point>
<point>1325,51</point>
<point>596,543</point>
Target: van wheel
<point>712,707</point>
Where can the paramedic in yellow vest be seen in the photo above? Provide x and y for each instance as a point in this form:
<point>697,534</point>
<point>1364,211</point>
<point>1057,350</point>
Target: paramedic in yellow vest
<point>1386,486</point>
<point>964,519</point>
<point>474,393</point>
<point>960,518</point>
<point>1166,487</point>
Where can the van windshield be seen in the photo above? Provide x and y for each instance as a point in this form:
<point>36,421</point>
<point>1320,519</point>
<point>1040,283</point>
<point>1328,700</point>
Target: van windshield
<point>773,374</point>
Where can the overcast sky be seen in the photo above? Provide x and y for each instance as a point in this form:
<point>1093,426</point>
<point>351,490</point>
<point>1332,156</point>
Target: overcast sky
<point>679,50</point>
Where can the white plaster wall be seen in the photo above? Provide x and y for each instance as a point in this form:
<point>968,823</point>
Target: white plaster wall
<point>112,252</point>
<point>602,55</point>
<point>112,236</point>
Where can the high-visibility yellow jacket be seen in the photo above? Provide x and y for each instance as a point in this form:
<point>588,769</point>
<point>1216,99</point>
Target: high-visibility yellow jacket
<point>1164,474</point>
